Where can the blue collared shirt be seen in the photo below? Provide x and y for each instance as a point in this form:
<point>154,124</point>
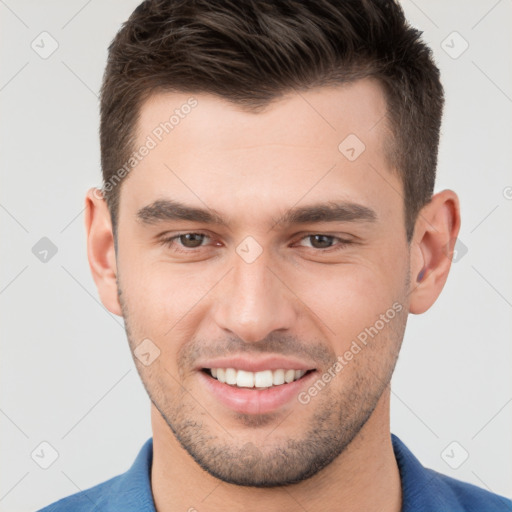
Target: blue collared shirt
<point>423,490</point>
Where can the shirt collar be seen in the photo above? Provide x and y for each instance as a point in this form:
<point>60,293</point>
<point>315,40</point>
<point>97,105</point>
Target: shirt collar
<point>132,490</point>
<point>422,489</point>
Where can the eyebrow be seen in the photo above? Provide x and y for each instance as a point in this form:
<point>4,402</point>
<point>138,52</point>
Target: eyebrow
<point>165,210</point>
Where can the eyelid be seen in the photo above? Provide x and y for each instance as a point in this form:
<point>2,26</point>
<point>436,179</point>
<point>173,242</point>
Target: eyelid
<point>171,240</point>
<point>341,241</point>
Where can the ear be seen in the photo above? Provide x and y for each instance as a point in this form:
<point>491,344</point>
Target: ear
<point>435,234</point>
<point>101,249</point>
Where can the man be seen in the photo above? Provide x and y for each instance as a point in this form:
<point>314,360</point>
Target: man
<point>267,223</point>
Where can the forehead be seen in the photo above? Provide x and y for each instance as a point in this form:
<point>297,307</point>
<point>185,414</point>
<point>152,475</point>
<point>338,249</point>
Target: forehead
<point>308,146</point>
<point>298,117</point>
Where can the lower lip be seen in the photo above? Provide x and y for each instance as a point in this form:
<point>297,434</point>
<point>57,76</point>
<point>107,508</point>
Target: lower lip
<point>253,400</point>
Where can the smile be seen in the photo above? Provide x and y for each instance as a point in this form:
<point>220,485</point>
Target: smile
<point>255,392</point>
<point>261,379</point>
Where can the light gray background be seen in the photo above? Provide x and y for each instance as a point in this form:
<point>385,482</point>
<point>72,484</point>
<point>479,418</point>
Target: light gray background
<point>67,377</point>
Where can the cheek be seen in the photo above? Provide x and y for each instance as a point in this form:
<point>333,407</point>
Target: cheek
<point>347,300</point>
<point>164,303</point>
<point>160,293</point>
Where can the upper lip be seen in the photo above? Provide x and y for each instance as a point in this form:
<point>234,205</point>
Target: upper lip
<point>256,364</point>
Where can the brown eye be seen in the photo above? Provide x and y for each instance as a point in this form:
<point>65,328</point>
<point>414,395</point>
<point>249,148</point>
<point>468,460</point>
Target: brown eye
<point>185,242</point>
<point>324,243</point>
<point>191,240</point>
<point>321,241</point>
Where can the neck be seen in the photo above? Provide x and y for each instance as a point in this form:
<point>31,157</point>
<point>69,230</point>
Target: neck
<point>364,477</point>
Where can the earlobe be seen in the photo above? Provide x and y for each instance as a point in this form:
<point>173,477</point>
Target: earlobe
<point>434,237</point>
<point>101,250</point>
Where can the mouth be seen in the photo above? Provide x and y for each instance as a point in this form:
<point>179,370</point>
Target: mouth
<point>264,379</point>
<point>250,387</point>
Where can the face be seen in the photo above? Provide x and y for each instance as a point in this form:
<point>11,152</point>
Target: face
<point>263,258</point>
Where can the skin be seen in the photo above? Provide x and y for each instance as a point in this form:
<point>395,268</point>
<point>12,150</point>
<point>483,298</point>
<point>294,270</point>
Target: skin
<point>252,168</point>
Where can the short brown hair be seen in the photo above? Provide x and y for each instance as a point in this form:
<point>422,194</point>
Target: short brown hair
<point>250,52</point>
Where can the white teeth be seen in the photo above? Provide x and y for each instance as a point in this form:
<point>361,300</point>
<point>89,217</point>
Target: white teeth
<point>262,379</point>
<point>230,376</point>
<point>221,374</point>
<point>245,379</point>
<point>278,377</point>
<point>289,376</point>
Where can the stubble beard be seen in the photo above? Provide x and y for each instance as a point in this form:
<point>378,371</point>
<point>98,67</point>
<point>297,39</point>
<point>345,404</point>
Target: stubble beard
<point>339,416</point>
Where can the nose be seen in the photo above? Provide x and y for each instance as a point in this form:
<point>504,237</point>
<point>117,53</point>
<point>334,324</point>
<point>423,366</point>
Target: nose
<point>254,300</point>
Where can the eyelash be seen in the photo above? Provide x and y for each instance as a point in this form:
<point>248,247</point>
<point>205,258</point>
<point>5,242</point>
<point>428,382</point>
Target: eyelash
<point>170,242</point>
